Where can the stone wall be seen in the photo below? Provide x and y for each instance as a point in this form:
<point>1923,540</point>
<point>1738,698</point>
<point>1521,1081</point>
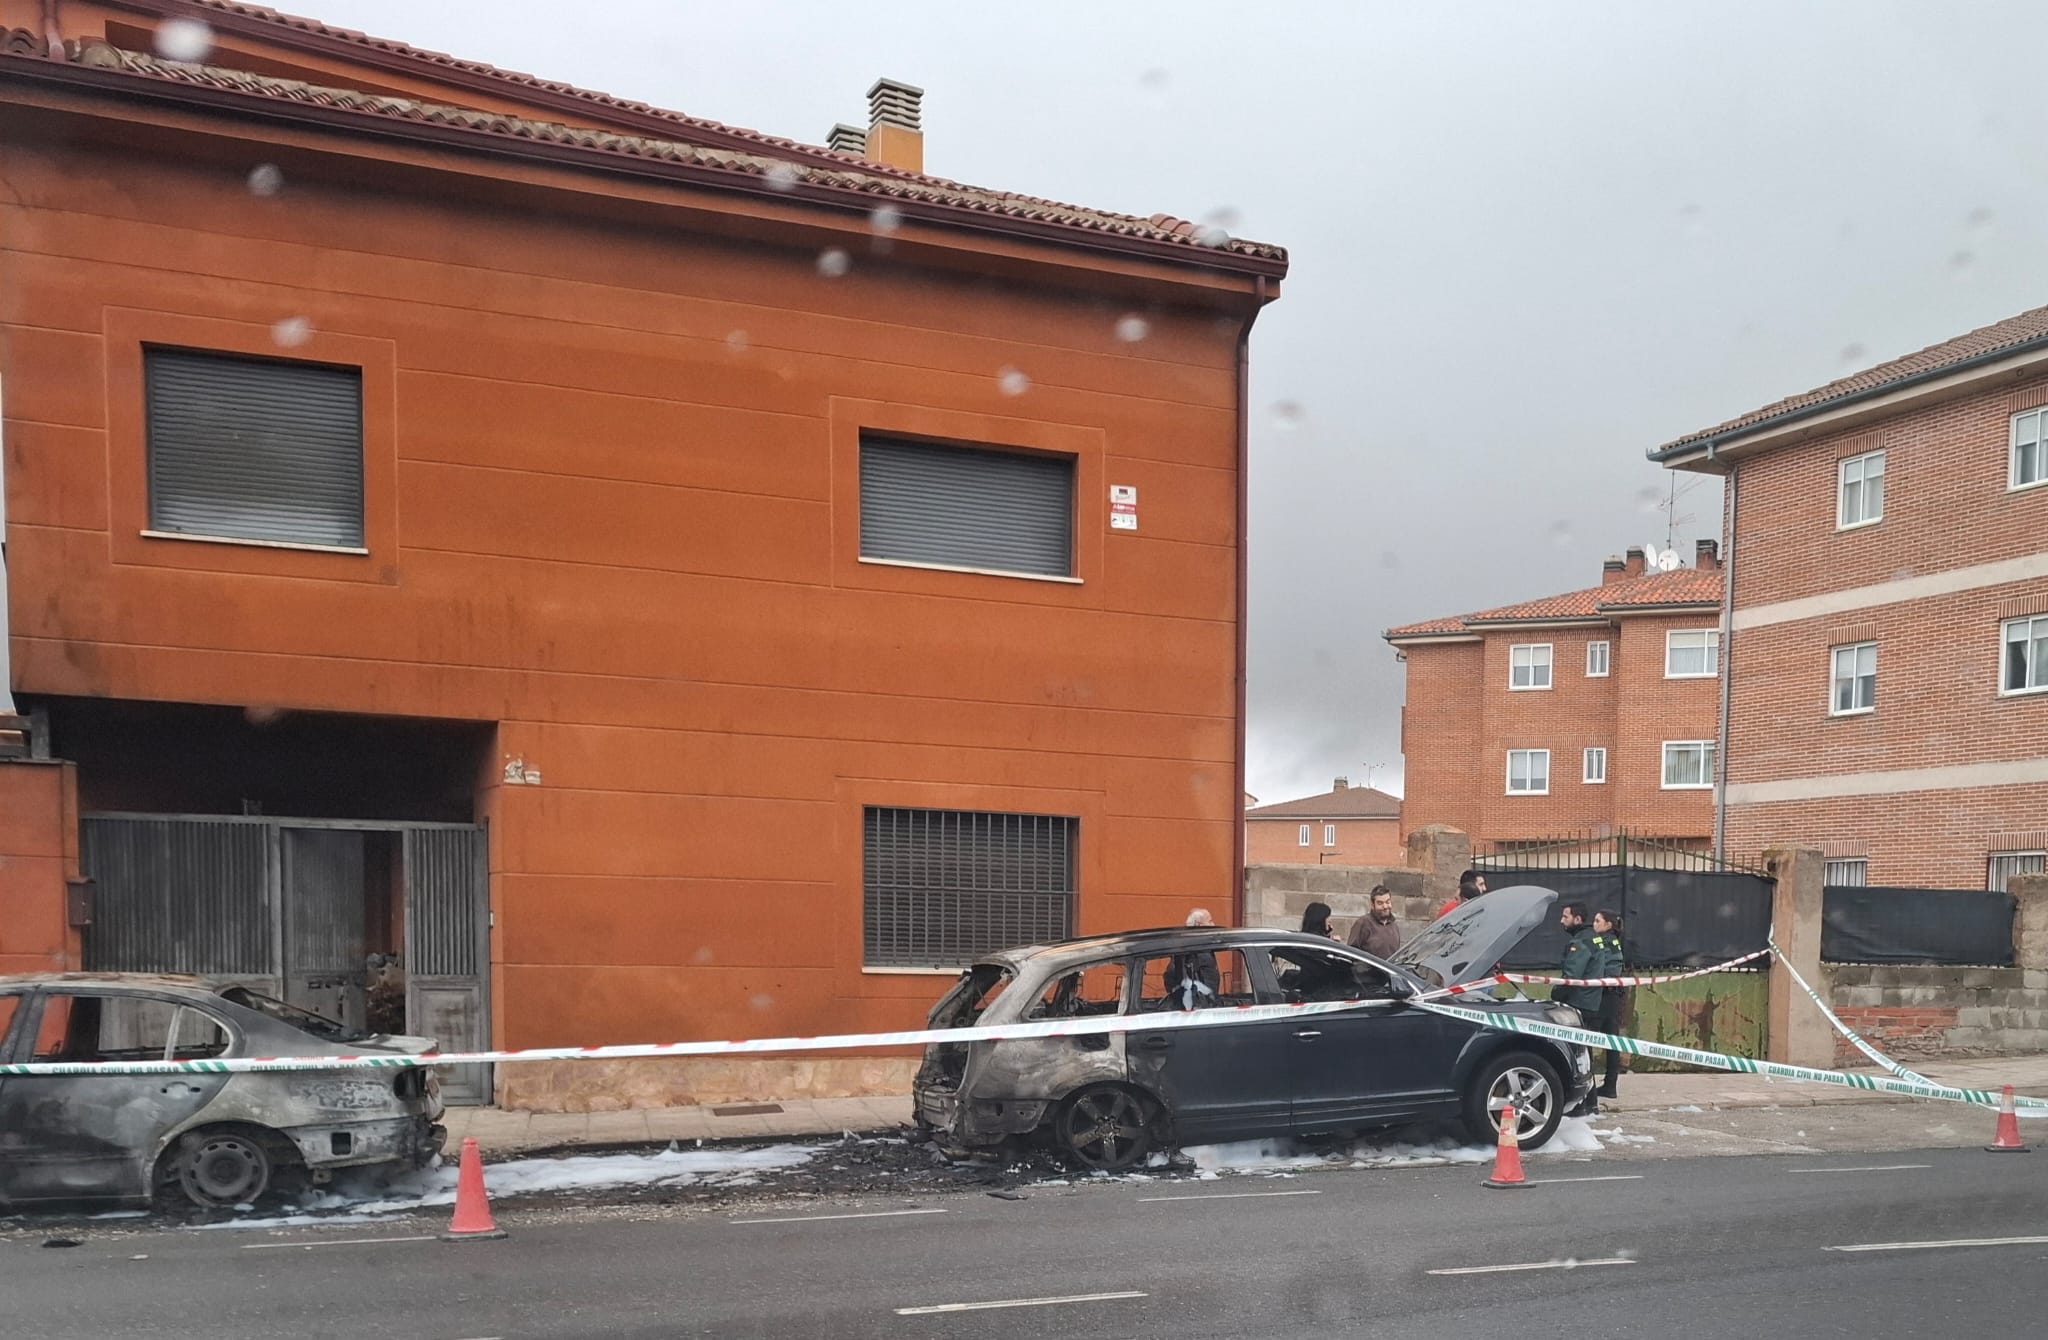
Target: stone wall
<point>1275,896</point>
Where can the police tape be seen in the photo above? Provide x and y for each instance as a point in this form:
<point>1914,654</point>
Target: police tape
<point>1511,978</point>
<point>1835,1021</point>
<point>1665,1051</point>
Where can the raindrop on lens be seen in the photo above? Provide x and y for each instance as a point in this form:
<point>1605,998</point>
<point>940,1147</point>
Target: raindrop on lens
<point>265,180</point>
<point>1222,217</point>
<point>1209,235</point>
<point>832,263</point>
<point>1647,499</point>
<point>1960,263</point>
<point>1980,217</point>
<point>885,219</point>
<point>185,40</point>
<point>1288,414</point>
<point>1012,381</point>
<point>736,342</point>
<point>1389,559</point>
<point>1561,534</point>
<point>1132,328</point>
<point>291,332</point>
<point>762,1001</point>
<point>1854,353</point>
<point>1155,80</point>
<point>781,177</point>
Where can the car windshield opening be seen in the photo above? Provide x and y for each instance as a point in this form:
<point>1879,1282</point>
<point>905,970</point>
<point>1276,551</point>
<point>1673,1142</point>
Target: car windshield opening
<point>333,1030</point>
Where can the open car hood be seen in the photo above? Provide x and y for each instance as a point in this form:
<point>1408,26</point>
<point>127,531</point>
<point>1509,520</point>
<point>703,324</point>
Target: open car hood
<point>1465,944</point>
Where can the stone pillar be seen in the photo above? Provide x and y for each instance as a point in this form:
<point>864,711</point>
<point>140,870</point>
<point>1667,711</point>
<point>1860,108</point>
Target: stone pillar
<point>1442,854</point>
<point>2030,923</point>
<point>1799,1033</point>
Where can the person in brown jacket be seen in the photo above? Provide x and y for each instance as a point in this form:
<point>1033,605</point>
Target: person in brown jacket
<point>1377,933</point>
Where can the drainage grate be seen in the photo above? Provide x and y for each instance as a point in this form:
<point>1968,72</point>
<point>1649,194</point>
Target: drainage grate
<point>748,1110</point>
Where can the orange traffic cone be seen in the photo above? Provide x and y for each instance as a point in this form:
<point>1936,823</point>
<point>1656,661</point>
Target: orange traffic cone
<point>1507,1156</point>
<point>2008,1141</point>
<point>472,1219</point>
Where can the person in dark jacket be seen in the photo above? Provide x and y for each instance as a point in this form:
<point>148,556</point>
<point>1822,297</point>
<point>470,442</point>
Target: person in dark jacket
<point>1317,976</point>
<point>1377,933</point>
<point>1578,962</point>
<point>1610,959</point>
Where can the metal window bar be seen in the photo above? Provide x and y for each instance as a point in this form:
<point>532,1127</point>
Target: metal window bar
<point>942,887</point>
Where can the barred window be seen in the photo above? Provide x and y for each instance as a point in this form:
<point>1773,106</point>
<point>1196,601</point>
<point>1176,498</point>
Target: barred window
<point>939,888</point>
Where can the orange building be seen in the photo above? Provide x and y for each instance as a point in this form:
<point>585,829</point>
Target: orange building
<point>612,575</point>
<point>1581,713</point>
<point>1346,825</point>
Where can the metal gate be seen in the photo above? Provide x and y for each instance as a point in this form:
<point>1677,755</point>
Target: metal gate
<point>283,906</point>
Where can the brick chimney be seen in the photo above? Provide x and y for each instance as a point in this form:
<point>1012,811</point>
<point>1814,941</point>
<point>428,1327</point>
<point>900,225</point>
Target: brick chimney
<point>1343,784</point>
<point>1632,566</point>
<point>896,125</point>
<point>1611,572</point>
<point>1707,556</point>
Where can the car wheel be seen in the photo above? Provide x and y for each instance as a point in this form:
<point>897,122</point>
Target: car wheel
<point>219,1169</point>
<point>1531,1084</point>
<point>1105,1128</point>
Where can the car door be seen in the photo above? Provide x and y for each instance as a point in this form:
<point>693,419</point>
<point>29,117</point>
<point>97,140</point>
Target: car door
<point>1221,1081</point>
<point>1383,1063</point>
<point>76,1137</point>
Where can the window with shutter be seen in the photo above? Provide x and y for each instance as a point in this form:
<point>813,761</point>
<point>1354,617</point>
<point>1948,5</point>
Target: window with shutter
<point>254,449</point>
<point>966,507</point>
<point>940,888</point>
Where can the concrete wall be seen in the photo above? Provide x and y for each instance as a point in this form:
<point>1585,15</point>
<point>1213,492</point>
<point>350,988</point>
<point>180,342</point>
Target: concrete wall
<point>1277,895</point>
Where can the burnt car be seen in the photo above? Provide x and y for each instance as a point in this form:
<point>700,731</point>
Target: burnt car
<point>1107,1101</point>
<point>215,1141</point>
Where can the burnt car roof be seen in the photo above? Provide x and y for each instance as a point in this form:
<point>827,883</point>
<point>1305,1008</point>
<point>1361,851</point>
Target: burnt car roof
<point>1166,938</point>
<point>155,981</point>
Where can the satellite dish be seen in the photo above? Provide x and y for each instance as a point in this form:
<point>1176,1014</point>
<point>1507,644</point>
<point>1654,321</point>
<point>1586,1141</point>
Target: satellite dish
<point>1667,561</point>
<point>1650,554</point>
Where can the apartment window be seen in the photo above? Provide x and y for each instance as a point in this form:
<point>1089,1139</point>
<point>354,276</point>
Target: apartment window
<point>2029,464</point>
<point>966,507</point>
<point>940,888</point>
<point>1329,835</point>
<point>1859,490</point>
<point>1854,681</point>
<point>2026,655</point>
<point>2006,864</point>
<point>1595,767</point>
<point>254,449</point>
<point>1529,666</point>
<point>1596,660</point>
<point>1692,654</point>
<point>1688,764</point>
<point>1528,772</point>
<point>1846,873</point>
<point>1302,839</point>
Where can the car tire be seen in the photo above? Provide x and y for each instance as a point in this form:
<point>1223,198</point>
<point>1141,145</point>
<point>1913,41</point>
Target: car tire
<point>1528,1078</point>
<point>1104,1128</point>
<point>219,1168</point>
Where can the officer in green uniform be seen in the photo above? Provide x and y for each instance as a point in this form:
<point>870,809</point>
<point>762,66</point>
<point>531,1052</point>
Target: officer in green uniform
<point>1610,959</point>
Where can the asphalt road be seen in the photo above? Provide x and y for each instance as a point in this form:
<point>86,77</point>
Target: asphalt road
<point>1714,1247</point>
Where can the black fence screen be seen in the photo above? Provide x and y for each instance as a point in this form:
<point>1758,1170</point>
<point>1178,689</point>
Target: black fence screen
<point>1670,918</point>
<point>1942,926</point>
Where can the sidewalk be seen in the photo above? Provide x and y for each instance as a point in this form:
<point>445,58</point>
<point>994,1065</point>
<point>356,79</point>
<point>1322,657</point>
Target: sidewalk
<point>502,1133</point>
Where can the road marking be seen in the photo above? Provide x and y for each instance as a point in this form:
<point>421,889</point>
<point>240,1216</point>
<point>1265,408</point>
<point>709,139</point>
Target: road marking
<point>1875,1167</point>
<point>937,1308</point>
<point>1226,1195</point>
<point>1534,1265</point>
<point>821,1218</point>
<point>333,1242</point>
<point>1924,1246</point>
<point>1559,1181</point>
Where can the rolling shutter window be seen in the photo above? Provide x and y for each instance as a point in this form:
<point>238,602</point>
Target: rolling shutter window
<point>967,508</point>
<point>251,449</point>
<point>940,888</point>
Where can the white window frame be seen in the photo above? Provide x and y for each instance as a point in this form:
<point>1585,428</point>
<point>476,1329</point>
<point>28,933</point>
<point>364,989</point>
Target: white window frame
<point>1705,748</point>
<point>2013,482</point>
<point>1606,659</point>
<point>1517,661</point>
<point>1329,835</point>
<point>2036,672</point>
<point>1847,872</point>
<point>1303,839</point>
<point>1531,790</point>
<point>1593,766</point>
<point>2012,863</point>
<point>1864,474</point>
<point>1836,679</point>
<point>1709,647</point>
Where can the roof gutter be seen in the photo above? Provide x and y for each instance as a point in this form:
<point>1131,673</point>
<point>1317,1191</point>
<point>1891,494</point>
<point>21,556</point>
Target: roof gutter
<point>1242,669</point>
<point>1711,446</point>
<point>1727,664</point>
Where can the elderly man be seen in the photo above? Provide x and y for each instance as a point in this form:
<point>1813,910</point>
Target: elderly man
<point>1192,980</point>
<point>1377,933</point>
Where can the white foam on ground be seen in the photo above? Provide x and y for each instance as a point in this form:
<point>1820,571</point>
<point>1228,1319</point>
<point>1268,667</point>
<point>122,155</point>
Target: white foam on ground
<point>1574,1135</point>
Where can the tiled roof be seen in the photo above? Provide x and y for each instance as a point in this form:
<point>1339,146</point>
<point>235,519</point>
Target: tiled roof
<point>1351,802</point>
<point>1999,337</point>
<point>788,164</point>
<point>1683,589</point>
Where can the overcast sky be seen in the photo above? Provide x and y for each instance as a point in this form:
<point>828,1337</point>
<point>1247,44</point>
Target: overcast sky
<point>1529,242</point>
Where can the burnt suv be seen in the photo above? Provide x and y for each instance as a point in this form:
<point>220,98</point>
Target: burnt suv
<point>1107,1101</point>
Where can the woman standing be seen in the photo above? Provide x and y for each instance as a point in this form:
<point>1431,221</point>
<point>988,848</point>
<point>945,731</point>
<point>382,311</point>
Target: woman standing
<point>1609,960</point>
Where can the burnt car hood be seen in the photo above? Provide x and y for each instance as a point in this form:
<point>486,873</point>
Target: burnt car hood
<point>1465,944</point>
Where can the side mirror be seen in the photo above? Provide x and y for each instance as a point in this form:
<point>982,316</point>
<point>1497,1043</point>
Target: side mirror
<point>1400,988</point>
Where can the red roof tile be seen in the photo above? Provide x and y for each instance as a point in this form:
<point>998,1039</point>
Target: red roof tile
<point>1352,802</point>
<point>1683,589</point>
<point>1999,337</point>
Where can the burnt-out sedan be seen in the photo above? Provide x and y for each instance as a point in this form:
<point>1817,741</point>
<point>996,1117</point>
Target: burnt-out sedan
<point>216,1141</point>
<point>1107,1100</point>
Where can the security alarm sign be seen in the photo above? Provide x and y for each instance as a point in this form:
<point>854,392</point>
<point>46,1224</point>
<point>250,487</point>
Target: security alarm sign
<point>1123,507</point>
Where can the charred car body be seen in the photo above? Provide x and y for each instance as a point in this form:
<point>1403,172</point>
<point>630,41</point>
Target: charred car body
<point>214,1140</point>
<point>1106,1101</point>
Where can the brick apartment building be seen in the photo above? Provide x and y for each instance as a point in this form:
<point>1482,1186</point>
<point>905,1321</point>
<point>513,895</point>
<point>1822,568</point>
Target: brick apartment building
<point>1584,712</point>
<point>1887,659</point>
<point>1346,825</point>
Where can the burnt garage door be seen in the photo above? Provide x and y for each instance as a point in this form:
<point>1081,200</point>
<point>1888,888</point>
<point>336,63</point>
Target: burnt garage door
<point>383,926</point>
